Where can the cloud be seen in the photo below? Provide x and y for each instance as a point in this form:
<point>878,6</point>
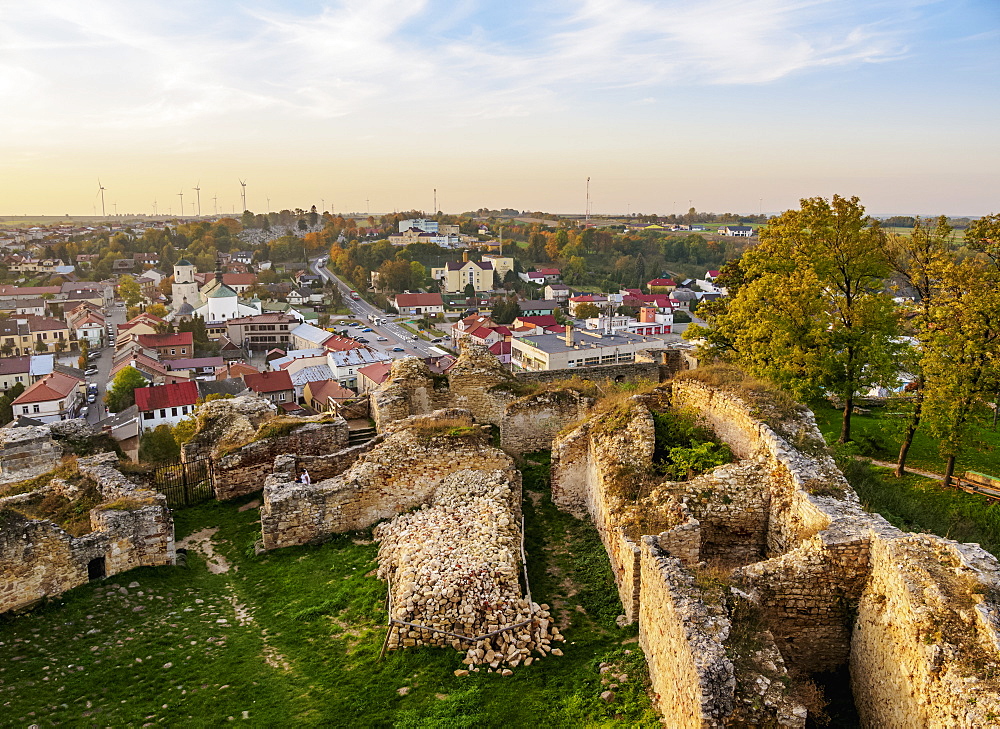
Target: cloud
<point>109,65</point>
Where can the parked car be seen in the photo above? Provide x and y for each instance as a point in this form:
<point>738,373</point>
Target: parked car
<point>92,398</point>
<point>366,330</point>
<point>414,338</point>
<point>398,349</point>
<point>90,371</point>
<point>381,339</point>
<point>436,340</point>
<point>362,340</point>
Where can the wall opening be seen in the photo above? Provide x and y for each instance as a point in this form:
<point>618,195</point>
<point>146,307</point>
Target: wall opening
<point>96,569</point>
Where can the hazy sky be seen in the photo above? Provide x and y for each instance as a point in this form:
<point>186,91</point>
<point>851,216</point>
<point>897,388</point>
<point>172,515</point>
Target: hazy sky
<point>729,104</point>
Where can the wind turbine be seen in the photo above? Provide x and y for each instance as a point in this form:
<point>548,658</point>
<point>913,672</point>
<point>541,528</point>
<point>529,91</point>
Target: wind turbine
<point>100,191</point>
<point>154,208</point>
<point>268,202</point>
<point>197,189</point>
<point>181,196</point>
<point>243,184</point>
<point>215,201</point>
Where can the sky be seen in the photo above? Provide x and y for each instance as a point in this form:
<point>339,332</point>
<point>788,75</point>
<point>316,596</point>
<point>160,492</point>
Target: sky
<point>371,105</point>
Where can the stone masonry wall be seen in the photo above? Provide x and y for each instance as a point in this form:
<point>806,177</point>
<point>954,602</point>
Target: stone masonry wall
<point>693,680</point>
<point>400,473</point>
<point>243,471</point>
<point>531,423</point>
<point>926,647</point>
<point>38,559</point>
<point>26,453</point>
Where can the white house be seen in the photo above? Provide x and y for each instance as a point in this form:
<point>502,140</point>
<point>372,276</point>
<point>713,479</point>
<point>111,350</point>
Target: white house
<point>165,404</point>
<point>55,397</point>
<point>740,231</point>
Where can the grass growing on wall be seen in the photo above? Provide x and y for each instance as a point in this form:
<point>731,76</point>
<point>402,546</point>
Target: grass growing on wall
<point>292,638</point>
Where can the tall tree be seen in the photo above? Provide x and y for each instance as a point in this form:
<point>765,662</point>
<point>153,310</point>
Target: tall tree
<point>961,363</point>
<point>129,291</point>
<point>810,313</point>
<point>121,394</point>
<point>918,261</point>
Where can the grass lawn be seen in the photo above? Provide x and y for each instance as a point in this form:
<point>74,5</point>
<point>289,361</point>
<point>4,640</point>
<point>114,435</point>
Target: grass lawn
<point>879,435</point>
<point>914,503</point>
<point>293,636</point>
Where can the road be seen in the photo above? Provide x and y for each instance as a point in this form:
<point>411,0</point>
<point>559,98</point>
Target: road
<point>361,309</point>
<point>97,410</point>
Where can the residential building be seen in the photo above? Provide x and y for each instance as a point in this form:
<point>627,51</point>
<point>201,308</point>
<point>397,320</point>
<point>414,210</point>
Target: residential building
<point>557,292</point>
<point>165,404</point>
<point>197,366</point>
<point>169,346</point>
<point>235,370</point>
<point>326,396</point>
<point>599,300</point>
<point>741,231</point>
<point>419,304</point>
<point>577,349</point>
<point>538,308</point>
<point>502,265</point>
<point>32,334</point>
<point>422,224</point>
<point>57,396</point>
<point>372,376</point>
<point>25,370</point>
<point>661,285</point>
<point>262,331</point>
<point>455,276</point>
<point>275,386</point>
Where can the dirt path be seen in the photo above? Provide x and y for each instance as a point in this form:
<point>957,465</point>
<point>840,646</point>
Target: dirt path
<point>925,474</point>
<point>201,541</point>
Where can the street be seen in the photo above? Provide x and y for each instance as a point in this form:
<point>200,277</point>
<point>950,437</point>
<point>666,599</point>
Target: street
<point>97,410</point>
<point>361,310</point>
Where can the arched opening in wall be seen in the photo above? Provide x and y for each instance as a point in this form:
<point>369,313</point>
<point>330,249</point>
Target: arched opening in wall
<point>620,378</point>
<point>96,569</point>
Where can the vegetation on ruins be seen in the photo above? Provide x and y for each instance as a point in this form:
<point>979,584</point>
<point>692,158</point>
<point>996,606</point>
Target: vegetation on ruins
<point>159,445</point>
<point>71,513</point>
<point>302,645</point>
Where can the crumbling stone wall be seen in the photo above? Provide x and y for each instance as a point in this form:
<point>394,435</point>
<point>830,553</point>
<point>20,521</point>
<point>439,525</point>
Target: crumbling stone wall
<point>131,528</point>
<point>223,425</point>
<point>397,474</point>
<point>530,424</point>
<point>27,452</point>
<point>813,560</point>
<point>244,470</point>
<point>926,645</point>
<point>411,389</point>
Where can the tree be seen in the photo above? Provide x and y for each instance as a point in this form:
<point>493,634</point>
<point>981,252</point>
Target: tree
<point>81,361</point>
<point>960,363</point>
<point>121,394</point>
<point>505,310</point>
<point>811,314</point>
<point>470,291</point>
<point>129,290</point>
<point>157,310</point>
<point>41,347</point>
<point>918,261</point>
<point>6,403</point>
<point>588,311</point>
<point>159,446</point>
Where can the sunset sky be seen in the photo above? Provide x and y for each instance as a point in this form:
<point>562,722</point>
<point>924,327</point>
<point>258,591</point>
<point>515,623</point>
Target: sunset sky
<point>733,105</point>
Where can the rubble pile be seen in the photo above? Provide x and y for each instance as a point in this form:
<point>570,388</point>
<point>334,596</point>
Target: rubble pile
<point>454,565</point>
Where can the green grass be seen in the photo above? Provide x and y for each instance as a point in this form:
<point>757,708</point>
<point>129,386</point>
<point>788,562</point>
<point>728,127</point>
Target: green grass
<point>880,433</point>
<point>317,614</point>
<point>917,504</point>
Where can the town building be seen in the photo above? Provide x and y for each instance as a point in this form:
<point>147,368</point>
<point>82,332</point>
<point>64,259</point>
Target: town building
<point>25,370</point>
<point>419,304</point>
<point>577,348</point>
<point>275,386</point>
<point>262,331</point>
<point>57,396</point>
<point>165,404</point>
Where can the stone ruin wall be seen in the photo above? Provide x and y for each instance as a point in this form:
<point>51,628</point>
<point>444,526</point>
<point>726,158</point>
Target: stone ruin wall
<point>824,559</point>
<point>399,473</point>
<point>244,471</point>
<point>38,559</point>
<point>26,453</point>
<point>479,383</point>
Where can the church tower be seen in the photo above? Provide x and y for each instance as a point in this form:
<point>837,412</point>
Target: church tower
<point>185,288</point>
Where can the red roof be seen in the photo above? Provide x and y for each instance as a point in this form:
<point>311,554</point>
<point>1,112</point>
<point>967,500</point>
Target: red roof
<point>54,386</point>
<point>662,282</point>
<point>500,348</point>
<point>482,333</point>
<point>141,318</point>
<point>166,396</point>
<point>418,300</point>
<point>236,369</point>
<point>377,373</point>
<point>276,381</point>
<point>539,321</point>
<point>713,274</point>
<point>549,271</point>
<point>181,339</point>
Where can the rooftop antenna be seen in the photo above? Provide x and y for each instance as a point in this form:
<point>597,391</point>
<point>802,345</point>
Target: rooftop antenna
<point>243,183</point>
<point>215,201</point>
<point>181,195</point>
<point>100,191</point>
<point>197,189</point>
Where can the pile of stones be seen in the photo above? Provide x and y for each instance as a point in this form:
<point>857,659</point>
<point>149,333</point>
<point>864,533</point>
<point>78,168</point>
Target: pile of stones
<point>453,565</point>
